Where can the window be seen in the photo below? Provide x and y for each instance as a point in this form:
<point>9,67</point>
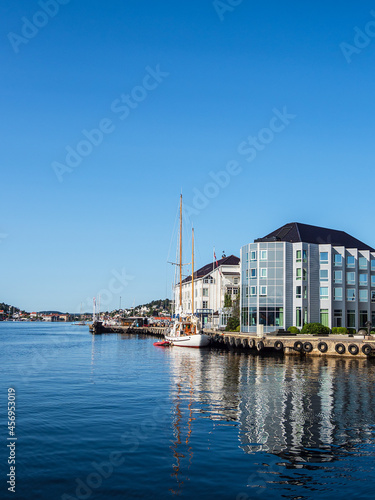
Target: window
<point>324,275</point>
<point>372,280</point>
<point>235,281</point>
<point>246,291</point>
<point>252,316</point>
<point>298,317</point>
<point>324,292</point>
<point>205,292</point>
<point>305,292</point>
<point>350,319</point>
<point>304,255</point>
<point>350,294</point>
<point>324,317</point>
<point>279,316</point>
<point>362,263</point>
<point>247,275</point>
<point>350,278</point>
<point>205,304</point>
<point>235,291</point>
<point>210,280</point>
<point>324,257</point>
<point>253,273</point>
<point>337,277</point>
<point>253,255</point>
<point>338,260</point>
<point>263,254</point>
<point>362,318</point>
<point>350,261</point>
<point>337,314</point>
<point>298,292</point>
<point>253,291</point>
<point>372,295</point>
<point>337,293</point>
<point>229,291</point>
<point>298,255</point>
<point>304,274</point>
<point>263,291</point>
<point>298,273</point>
<point>363,296</point>
<point>372,264</point>
<point>263,272</point>
<point>363,279</point>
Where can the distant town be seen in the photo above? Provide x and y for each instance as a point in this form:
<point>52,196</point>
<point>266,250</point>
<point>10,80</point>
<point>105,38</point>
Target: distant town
<point>156,308</point>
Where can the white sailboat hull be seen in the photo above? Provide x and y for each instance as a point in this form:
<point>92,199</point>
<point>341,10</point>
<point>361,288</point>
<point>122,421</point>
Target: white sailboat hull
<point>198,340</point>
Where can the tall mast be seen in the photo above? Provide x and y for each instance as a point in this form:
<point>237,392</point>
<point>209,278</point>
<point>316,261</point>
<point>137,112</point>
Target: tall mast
<point>192,273</point>
<point>180,253</point>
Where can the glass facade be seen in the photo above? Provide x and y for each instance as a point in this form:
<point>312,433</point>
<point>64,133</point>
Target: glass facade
<point>289,284</point>
<point>265,279</point>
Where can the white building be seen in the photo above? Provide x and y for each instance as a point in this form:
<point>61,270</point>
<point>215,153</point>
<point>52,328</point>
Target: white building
<point>302,274</point>
<point>211,283</point>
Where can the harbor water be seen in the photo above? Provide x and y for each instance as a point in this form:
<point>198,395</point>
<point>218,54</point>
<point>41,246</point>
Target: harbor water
<point>113,417</point>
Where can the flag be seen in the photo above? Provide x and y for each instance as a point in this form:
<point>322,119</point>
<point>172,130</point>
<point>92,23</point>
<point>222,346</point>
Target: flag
<point>217,264</point>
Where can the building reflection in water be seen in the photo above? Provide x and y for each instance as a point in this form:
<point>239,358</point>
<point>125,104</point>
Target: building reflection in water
<point>304,411</point>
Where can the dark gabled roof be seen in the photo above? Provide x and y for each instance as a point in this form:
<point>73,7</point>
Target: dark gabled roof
<point>232,260</point>
<point>295,232</point>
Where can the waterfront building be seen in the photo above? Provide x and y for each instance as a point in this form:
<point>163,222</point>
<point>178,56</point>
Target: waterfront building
<point>212,283</point>
<point>303,274</point>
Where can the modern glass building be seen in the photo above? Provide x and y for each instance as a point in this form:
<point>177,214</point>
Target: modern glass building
<point>302,274</point>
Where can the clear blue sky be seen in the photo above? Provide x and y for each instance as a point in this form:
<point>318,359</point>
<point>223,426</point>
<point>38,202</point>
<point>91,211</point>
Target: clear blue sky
<point>221,72</point>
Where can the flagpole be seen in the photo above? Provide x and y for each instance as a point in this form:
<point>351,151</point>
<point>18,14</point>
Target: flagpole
<point>213,291</point>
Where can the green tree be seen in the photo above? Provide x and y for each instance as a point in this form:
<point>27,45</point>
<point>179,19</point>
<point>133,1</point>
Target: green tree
<point>227,300</point>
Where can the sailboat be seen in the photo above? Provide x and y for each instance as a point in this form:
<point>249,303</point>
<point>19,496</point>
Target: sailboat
<point>186,330</point>
<point>81,322</point>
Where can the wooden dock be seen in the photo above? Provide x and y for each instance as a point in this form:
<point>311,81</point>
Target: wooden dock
<point>333,345</point>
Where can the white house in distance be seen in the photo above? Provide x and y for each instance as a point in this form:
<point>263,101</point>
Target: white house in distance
<point>302,274</point>
<point>211,283</point>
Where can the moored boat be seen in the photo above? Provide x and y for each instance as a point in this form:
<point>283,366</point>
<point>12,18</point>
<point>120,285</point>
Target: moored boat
<point>186,330</point>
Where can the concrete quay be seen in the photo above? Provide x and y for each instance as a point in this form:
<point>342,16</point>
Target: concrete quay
<point>332,345</point>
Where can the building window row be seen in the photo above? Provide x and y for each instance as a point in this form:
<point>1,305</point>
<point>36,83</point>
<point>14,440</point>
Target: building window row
<point>268,316</point>
<point>301,273</point>
<point>253,291</point>
<point>301,255</point>
<point>350,261</point>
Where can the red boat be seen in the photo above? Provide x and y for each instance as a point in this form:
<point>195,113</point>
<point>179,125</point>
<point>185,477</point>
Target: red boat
<point>163,343</point>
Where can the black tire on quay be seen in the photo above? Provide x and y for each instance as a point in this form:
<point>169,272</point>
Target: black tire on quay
<point>260,345</point>
<point>353,349</point>
<point>366,349</point>
<point>340,348</point>
<point>298,346</point>
<point>279,346</point>
<point>307,347</point>
<point>323,347</point>
<point>252,343</point>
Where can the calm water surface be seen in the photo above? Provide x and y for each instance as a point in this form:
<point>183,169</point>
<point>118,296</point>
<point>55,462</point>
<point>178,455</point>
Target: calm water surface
<point>112,417</point>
